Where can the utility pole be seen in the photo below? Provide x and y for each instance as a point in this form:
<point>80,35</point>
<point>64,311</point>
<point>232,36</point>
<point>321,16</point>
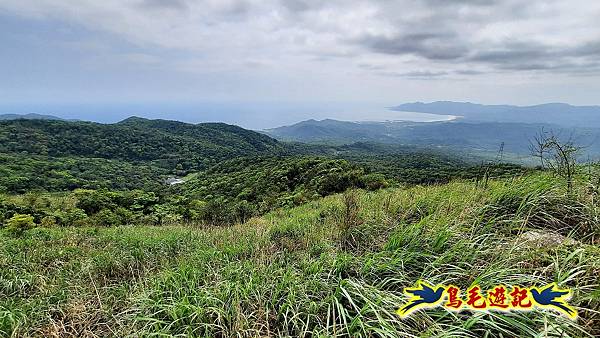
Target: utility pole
<point>500,153</point>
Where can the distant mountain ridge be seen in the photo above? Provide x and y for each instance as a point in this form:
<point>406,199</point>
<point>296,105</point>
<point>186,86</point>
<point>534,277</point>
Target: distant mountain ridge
<point>30,116</point>
<point>476,136</point>
<point>555,113</point>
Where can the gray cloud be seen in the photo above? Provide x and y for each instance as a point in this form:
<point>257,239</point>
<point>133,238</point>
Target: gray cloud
<point>489,34</point>
<point>296,5</point>
<point>591,49</point>
<point>516,56</point>
<point>164,4</point>
<point>430,74</point>
<point>462,2</point>
<point>421,74</point>
<point>237,8</point>
<point>535,56</point>
<point>433,46</point>
<point>468,72</point>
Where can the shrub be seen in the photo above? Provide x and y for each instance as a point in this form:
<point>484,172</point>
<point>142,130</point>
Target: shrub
<point>126,216</point>
<point>107,218</point>
<point>19,223</point>
<point>243,210</point>
<point>48,222</point>
<point>71,217</point>
<point>374,181</point>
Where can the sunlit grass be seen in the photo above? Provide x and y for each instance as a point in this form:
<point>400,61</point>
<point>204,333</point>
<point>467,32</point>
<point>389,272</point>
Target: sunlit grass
<point>315,270</point>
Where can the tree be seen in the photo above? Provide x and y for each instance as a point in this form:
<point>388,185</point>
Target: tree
<point>106,217</point>
<point>92,201</point>
<point>558,155</point>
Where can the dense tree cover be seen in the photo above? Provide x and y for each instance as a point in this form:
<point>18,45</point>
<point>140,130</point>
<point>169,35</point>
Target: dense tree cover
<point>115,174</point>
<point>85,208</point>
<point>423,168</point>
<point>256,185</point>
<point>414,164</point>
<point>456,135</point>
<point>231,192</point>
<point>20,173</point>
<point>169,144</point>
<point>44,155</point>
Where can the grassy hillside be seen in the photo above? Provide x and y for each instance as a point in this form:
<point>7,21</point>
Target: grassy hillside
<point>332,267</point>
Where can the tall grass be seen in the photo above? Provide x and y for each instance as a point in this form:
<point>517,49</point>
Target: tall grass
<point>334,267</point>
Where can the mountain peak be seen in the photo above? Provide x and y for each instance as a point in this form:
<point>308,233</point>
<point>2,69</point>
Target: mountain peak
<point>133,119</point>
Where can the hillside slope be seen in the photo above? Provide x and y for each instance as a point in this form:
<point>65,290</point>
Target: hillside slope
<point>474,136</point>
<point>135,139</point>
<point>333,267</point>
<point>51,156</point>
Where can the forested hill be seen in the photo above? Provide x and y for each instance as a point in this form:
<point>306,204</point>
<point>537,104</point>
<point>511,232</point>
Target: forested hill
<point>44,155</point>
<point>193,146</point>
<point>462,136</point>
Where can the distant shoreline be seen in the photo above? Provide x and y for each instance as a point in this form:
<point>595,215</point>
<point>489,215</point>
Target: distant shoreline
<point>408,116</point>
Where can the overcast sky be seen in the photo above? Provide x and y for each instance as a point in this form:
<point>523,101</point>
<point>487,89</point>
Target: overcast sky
<point>282,52</point>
